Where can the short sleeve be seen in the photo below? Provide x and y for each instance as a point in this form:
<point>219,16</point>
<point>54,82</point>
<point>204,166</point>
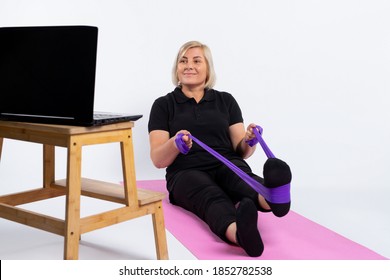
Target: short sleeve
<point>159,115</point>
<point>234,110</point>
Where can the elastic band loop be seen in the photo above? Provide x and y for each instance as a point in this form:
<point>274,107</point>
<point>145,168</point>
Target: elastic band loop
<point>255,140</point>
<point>252,142</point>
<point>181,145</point>
<point>275,195</point>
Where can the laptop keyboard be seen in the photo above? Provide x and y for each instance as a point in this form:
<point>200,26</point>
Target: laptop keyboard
<point>98,116</point>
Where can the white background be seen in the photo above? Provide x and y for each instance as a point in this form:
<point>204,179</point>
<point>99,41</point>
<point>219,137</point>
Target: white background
<point>313,74</point>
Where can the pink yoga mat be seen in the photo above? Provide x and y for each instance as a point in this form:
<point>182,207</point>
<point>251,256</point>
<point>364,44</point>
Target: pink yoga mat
<point>292,237</point>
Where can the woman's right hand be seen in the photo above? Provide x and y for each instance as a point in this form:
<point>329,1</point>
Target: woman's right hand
<point>187,140</point>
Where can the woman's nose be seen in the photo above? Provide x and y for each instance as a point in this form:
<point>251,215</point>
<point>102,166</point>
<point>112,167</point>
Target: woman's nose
<point>189,66</point>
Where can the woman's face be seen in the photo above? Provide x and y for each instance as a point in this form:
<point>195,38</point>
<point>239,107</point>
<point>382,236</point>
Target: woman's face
<point>192,68</point>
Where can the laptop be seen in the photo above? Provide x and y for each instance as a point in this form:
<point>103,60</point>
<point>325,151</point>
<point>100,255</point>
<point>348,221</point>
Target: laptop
<point>47,75</point>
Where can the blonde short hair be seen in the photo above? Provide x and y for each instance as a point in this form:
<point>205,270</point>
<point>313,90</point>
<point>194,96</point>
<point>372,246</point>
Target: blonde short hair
<point>210,78</point>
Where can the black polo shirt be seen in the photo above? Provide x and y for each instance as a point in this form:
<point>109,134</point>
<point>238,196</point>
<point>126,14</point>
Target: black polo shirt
<point>208,120</point>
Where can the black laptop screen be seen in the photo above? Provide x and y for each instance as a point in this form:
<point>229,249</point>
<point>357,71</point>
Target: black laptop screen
<point>48,71</point>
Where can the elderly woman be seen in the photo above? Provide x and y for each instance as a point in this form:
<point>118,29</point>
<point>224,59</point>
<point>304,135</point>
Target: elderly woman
<point>197,181</point>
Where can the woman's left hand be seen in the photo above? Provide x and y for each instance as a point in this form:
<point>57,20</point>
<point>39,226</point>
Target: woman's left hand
<point>249,134</point>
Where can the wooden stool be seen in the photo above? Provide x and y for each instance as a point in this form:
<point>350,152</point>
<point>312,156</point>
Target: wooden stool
<point>136,202</point>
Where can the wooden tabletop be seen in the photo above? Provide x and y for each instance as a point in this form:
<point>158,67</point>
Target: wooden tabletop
<point>63,129</point>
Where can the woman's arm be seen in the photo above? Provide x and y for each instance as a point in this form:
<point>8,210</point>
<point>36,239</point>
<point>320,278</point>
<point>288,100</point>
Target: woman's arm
<point>239,136</point>
<point>163,150</point>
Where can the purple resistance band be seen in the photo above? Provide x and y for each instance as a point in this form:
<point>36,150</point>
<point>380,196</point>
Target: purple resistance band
<point>275,195</point>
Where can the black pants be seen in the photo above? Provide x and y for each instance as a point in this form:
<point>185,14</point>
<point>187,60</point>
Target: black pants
<point>213,194</point>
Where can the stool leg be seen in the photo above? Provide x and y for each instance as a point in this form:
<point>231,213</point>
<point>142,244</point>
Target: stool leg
<point>159,232</point>
<point>128,170</point>
<point>72,216</point>
<point>48,165</point>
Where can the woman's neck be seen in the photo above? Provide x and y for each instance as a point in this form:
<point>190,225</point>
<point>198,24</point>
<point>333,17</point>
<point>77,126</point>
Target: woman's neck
<point>193,92</point>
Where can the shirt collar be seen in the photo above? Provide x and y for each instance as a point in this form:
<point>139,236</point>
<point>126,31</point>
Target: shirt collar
<point>180,97</point>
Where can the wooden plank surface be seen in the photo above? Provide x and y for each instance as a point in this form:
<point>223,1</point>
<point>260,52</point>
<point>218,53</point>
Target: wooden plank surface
<point>112,192</point>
